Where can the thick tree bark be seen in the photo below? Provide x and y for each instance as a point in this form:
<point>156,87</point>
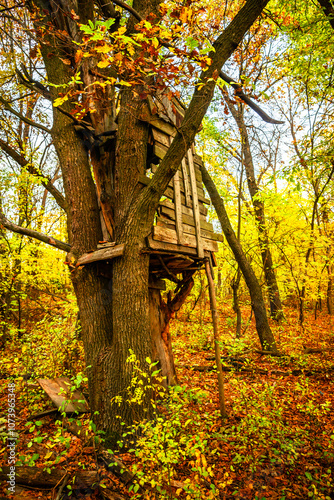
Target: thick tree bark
<point>263,329</point>
<point>276,309</point>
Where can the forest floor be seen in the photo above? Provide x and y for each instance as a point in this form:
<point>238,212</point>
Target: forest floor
<point>277,442</point>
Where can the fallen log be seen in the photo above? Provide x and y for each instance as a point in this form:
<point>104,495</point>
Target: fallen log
<point>36,477</point>
<point>311,350</point>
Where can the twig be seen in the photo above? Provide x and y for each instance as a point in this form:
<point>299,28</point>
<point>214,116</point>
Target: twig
<point>64,483</point>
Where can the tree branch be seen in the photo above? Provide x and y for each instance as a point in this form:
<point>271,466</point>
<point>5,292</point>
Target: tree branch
<point>33,234</point>
<point>8,107</point>
<point>23,162</point>
<point>328,10</point>
<point>129,9</point>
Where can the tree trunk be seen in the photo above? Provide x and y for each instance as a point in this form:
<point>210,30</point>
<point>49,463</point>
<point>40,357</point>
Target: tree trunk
<point>263,329</point>
<point>276,309</point>
<point>330,291</point>
<point>236,306</point>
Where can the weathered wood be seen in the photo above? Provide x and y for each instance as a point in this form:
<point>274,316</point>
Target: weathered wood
<point>195,206</point>
<point>186,219</point>
<point>39,478</point>
<point>157,284</point>
<point>178,209</point>
<point>199,183</point>
<point>161,137</point>
<point>157,122</point>
<point>185,210</point>
<point>59,392</point>
<point>103,254</point>
<point>105,244</point>
<point>186,182</point>
<point>190,229</point>
<point>171,247</point>
<point>170,236</point>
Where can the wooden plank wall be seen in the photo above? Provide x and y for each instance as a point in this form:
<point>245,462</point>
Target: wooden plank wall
<point>181,217</point>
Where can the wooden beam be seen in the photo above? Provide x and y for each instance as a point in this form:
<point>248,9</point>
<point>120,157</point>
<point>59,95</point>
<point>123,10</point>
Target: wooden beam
<point>186,182</point>
<point>103,254</point>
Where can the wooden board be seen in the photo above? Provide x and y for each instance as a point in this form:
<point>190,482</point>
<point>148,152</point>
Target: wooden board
<point>170,247</point>
<point>186,183</point>
<point>185,210</point>
<point>157,122</point>
<point>58,390</point>
<point>178,209</point>
<point>154,168</point>
<point>170,236</point>
<point>200,243</point>
<point>157,284</point>
<point>103,254</point>
<point>190,229</point>
<point>186,219</point>
<point>160,136</point>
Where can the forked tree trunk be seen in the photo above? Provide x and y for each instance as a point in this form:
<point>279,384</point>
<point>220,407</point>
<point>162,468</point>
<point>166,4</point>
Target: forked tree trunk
<point>262,326</point>
<point>114,314</point>
<point>160,314</point>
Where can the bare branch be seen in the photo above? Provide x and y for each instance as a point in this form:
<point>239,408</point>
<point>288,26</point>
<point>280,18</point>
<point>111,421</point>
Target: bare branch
<point>7,224</point>
<point>328,10</point>
<point>21,160</point>
<point>247,100</point>
<point>129,9</point>
<point>7,106</point>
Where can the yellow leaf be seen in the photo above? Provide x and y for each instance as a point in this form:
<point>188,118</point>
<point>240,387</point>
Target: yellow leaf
<point>127,84</point>
<point>103,49</point>
<point>60,100</point>
<point>48,455</point>
<point>103,64</point>
<point>121,31</point>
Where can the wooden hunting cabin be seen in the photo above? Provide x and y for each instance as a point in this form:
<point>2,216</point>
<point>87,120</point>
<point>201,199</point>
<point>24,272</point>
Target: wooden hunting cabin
<point>181,236</point>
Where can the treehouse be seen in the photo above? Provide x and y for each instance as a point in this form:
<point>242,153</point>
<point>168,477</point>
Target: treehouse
<point>181,240</point>
<point>181,237</point>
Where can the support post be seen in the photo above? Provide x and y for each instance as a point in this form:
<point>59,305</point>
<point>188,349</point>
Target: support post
<point>215,322</point>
